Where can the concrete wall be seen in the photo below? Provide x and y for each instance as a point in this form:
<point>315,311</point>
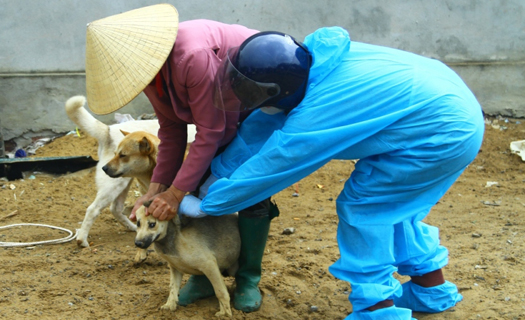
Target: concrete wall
<point>43,43</point>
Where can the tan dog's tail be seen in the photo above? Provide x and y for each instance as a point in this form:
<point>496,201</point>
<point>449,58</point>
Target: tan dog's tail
<point>85,121</point>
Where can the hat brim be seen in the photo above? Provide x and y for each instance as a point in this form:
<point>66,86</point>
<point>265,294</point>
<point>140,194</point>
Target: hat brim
<point>124,52</point>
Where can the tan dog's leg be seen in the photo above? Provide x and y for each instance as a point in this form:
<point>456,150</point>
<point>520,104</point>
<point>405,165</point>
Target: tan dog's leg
<point>175,281</point>
<point>211,270</point>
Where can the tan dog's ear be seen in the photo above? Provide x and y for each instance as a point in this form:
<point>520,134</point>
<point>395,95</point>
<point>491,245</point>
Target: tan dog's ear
<point>125,133</point>
<point>145,146</point>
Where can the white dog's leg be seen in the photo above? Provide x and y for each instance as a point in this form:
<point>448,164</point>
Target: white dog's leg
<point>108,191</point>
<point>175,281</point>
<point>102,200</point>
<point>211,270</point>
<point>118,210</point>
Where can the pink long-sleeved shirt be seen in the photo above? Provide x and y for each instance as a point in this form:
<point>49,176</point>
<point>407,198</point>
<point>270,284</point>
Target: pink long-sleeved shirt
<point>187,98</point>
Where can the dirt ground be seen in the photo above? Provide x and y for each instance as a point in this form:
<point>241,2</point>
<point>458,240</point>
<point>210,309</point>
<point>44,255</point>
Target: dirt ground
<point>481,220</point>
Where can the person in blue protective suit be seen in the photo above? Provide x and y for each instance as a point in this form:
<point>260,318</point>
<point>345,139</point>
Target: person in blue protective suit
<point>411,121</point>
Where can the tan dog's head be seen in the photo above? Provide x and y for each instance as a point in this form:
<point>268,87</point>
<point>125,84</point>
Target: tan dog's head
<point>136,155</point>
<point>149,229</point>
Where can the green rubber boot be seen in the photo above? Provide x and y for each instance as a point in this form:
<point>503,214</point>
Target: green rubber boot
<point>254,232</point>
<point>197,287</point>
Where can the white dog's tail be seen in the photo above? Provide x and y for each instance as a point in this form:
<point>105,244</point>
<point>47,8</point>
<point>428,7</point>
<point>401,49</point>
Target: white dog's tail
<point>85,121</point>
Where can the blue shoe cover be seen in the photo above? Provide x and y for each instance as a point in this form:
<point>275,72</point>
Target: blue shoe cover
<point>431,300</point>
<point>390,313</point>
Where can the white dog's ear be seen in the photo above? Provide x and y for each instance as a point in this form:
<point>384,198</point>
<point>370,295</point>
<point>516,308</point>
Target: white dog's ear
<point>125,133</point>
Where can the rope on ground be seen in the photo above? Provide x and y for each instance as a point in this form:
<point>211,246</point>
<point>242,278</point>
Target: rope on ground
<point>68,238</point>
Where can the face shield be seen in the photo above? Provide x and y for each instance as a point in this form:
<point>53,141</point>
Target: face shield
<point>235,92</point>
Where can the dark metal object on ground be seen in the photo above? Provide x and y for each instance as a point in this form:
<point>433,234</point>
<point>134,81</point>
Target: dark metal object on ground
<point>13,168</point>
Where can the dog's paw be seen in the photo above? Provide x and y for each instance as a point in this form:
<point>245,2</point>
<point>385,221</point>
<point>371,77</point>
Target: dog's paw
<point>82,243</point>
<point>224,313</point>
<point>141,256</point>
<point>169,306</point>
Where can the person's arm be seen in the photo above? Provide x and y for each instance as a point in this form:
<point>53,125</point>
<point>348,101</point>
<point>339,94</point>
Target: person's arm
<point>172,135</point>
<point>257,165</point>
<point>198,70</point>
<point>282,161</point>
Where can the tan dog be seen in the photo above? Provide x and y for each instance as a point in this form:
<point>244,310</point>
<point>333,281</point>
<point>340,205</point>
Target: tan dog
<point>111,192</point>
<point>195,246</point>
<point>135,157</point>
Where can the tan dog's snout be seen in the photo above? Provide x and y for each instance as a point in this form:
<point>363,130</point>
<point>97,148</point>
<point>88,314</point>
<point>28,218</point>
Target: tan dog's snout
<point>144,243</point>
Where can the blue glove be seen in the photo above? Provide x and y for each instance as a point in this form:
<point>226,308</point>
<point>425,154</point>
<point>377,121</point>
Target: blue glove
<point>391,313</point>
<point>191,206</point>
<point>203,190</point>
<point>430,300</point>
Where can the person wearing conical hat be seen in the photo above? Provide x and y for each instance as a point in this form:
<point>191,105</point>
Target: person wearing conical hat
<point>174,64</point>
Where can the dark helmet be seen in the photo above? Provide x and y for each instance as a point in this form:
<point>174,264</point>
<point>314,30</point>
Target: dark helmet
<point>268,69</point>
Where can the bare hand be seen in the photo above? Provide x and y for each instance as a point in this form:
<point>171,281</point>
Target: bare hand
<point>165,205</point>
<point>140,201</point>
<point>154,188</point>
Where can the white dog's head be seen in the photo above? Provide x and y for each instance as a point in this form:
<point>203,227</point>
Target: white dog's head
<point>136,155</point>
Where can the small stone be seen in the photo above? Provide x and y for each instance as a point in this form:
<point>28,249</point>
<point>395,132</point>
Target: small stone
<point>314,309</point>
<point>289,231</point>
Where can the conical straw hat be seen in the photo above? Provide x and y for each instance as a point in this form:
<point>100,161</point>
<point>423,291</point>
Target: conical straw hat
<point>124,52</point>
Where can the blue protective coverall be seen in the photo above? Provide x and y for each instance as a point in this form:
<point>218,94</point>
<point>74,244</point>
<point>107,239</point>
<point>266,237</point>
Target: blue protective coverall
<point>414,126</point>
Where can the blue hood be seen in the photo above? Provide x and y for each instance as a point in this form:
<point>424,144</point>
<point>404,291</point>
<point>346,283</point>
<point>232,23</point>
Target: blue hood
<point>327,46</point>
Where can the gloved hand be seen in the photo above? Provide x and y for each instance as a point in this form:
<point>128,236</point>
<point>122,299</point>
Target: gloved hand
<point>191,207</point>
<point>203,190</point>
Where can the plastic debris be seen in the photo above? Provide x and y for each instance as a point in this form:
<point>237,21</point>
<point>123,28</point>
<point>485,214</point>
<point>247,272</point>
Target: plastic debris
<point>491,183</point>
<point>518,147</point>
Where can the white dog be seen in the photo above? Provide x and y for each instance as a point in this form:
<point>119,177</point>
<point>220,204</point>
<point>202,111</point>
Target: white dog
<point>110,191</point>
